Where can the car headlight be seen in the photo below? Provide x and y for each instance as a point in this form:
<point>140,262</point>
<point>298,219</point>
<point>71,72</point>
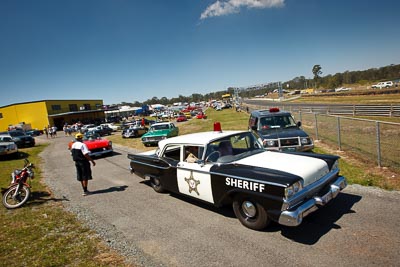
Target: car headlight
<point>12,147</point>
<point>270,143</point>
<point>305,140</point>
<point>293,189</point>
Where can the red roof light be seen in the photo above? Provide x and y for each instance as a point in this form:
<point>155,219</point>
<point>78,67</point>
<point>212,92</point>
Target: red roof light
<point>217,127</point>
<point>274,110</point>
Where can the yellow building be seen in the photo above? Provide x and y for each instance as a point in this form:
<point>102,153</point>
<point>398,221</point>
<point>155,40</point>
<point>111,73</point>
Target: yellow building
<point>39,114</point>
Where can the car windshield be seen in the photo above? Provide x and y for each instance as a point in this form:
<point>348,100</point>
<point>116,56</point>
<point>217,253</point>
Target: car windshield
<point>233,148</point>
<point>281,121</point>
<point>5,139</point>
<point>91,136</point>
<point>160,127</point>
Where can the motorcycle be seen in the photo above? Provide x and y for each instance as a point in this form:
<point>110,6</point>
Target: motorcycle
<point>19,190</point>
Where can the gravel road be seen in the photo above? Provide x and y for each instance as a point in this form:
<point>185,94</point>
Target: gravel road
<point>360,228</point>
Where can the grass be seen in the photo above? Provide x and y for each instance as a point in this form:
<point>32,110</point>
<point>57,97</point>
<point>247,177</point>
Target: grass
<point>42,233</point>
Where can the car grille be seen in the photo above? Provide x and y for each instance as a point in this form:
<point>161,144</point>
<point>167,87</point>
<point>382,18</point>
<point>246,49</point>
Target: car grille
<point>289,142</point>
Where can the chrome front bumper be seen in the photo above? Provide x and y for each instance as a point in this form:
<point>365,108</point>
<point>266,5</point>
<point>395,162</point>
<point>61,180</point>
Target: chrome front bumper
<point>99,153</point>
<point>295,217</point>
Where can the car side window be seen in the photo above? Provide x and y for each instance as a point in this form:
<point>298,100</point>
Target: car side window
<point>172,152</point>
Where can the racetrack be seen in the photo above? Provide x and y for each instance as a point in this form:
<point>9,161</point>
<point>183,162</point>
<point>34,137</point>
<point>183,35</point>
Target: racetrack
<point>359,228</point>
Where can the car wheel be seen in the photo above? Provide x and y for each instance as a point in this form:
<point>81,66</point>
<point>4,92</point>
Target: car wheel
<point>250,213</point>
<point>156,185</point>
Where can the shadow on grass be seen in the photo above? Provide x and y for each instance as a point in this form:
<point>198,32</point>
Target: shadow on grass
<point>41,197</point>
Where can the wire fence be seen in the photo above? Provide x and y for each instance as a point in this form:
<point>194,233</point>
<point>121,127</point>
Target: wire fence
<point>375,142</point>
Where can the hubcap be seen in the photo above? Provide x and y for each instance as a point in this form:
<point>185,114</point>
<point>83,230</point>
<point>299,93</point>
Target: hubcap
<point>249,209</point>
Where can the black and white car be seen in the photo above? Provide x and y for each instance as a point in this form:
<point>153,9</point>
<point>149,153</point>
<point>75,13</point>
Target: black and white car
<point>233,168</point>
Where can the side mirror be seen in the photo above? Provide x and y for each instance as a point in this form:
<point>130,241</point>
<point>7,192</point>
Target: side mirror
<point>298,123</point>
<point>254,127</point>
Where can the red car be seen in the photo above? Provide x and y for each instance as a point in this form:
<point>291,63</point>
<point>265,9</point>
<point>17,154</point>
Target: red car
<point>181,118</point>
<point>96,145</point>
<point>201,115</point>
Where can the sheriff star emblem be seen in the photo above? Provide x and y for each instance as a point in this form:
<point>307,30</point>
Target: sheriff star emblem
<point>192,183</point>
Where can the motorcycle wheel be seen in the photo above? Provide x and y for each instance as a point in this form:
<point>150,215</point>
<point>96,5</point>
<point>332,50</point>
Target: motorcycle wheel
<point>20,199</point>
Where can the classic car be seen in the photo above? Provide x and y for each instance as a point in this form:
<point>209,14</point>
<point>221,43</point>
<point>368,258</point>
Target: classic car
<point>112,126</point>
<point>100,130</point>
<point>201,115</point>
<point>159,131</point>
<point>7,146</point>
<point>134,131</point>
<point>233,168</point>
<point>279,131</point>
<point>181,118</point>
<point>96,145</point>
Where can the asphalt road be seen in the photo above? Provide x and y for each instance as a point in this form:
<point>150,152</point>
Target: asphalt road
<point>359,228</point>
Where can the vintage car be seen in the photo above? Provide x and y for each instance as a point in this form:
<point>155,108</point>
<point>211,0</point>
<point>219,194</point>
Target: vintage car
<point>134,131</point>
<point>112,126</point>
<point>279,131</point>
<point>158,132</point>
<point>7,147</point>
<point>233,168</point>
<point>201,115</point>
<point>96,145</point>
<point>181,118</point>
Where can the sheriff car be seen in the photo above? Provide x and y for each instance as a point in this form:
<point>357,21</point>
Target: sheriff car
<point>233,168</point>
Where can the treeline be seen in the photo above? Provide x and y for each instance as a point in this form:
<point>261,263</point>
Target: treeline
<point>364,77</point>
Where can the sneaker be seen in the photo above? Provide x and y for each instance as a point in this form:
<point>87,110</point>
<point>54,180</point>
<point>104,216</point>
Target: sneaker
<point>86,193</point>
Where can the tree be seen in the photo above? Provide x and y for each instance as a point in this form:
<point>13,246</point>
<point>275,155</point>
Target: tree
<point>316,70</point>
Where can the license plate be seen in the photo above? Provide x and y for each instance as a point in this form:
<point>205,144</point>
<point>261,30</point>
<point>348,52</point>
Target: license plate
<point>291,149</point>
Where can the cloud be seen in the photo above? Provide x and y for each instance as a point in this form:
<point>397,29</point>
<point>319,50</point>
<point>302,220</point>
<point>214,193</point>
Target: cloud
<point>226,7</point>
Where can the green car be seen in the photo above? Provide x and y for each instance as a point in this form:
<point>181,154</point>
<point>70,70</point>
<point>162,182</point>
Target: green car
<point>159,131</point>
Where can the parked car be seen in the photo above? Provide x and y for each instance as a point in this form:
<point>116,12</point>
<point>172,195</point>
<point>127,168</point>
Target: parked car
<point>101,130</point>
<point>7,147</point>
<point>201,115</point>
<point>342,89</point>
<point>159,131</point>
<point>181,118</point>
<point>134,131</point>
<point>279,131</point>
<point>86,127</point>
<point>381,85</point>
<point>112,126</point>
<point>20,138</point>
<point>96,145</point>
<point>34,132</point>
<point>233,168</point>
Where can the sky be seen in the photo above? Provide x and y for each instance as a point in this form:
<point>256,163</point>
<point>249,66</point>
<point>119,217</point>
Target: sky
<point>134,50</point>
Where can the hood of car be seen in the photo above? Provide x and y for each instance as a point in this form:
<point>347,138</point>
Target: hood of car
<point>157,133</point>
<point>308,168</point>
<point>282,133</point>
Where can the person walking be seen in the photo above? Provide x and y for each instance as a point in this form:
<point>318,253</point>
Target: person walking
<point>80,154</point>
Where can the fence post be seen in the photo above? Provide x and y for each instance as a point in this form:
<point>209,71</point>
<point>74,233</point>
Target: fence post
<point>378,143</point>
<point>338,134</point>
<point>316,126</point>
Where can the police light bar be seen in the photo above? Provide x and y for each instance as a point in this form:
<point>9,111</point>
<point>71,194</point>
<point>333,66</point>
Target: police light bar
<point>274,109</point>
